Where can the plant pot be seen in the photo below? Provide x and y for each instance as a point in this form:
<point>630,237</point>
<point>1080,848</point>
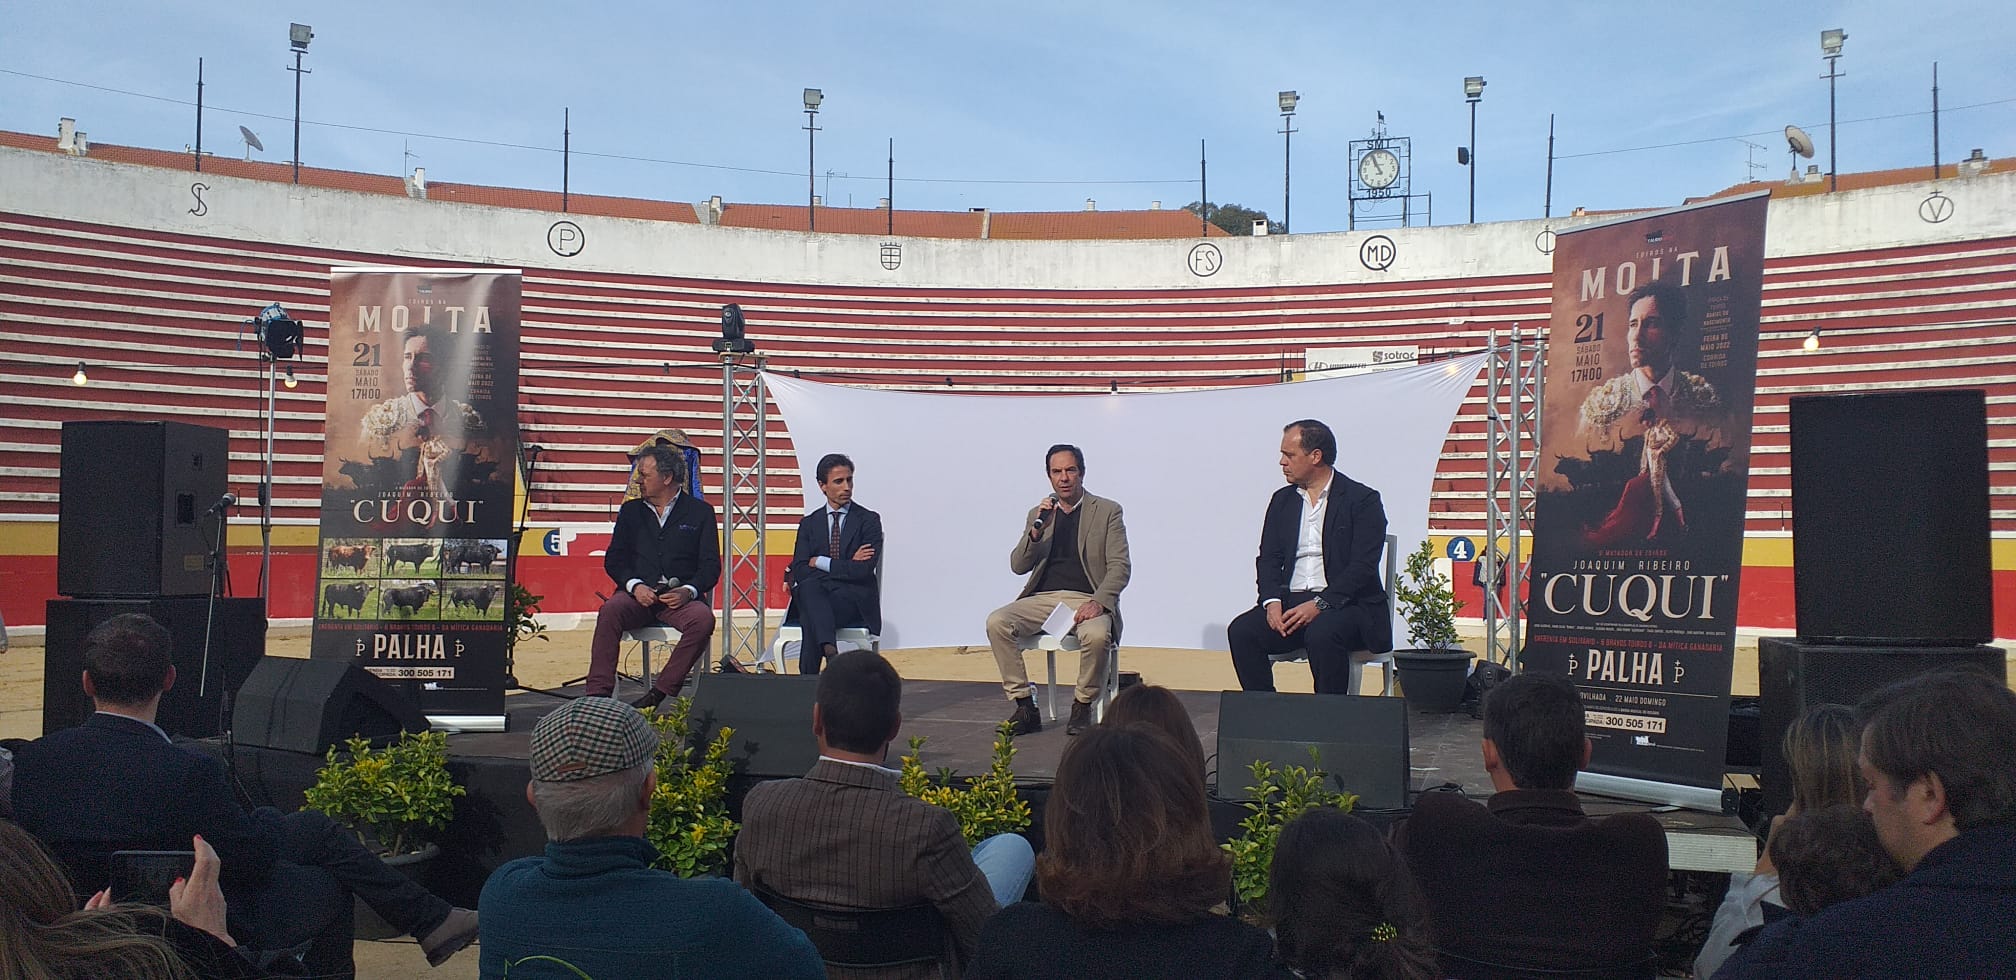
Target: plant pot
<point>1432,681</point>
<point>413,865</point>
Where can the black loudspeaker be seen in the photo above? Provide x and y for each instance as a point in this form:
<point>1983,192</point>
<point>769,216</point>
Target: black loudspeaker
<point>1794,675</point>
<point>771,716</point>
<point>1890,518</point>
<point>193,707</point>
<point>1361,742</point>
<point>309,705</point>
<point>134,507</point>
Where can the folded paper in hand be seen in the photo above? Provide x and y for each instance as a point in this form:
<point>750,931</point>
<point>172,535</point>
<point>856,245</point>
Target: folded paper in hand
<point>1060,621</point>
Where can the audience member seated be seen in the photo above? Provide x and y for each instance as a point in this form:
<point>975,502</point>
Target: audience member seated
<point>1819,751</point>
<point>116,783</point>
<point>1343,904</point>
<point>592,905</point>
<point>1527,882</point>
<point>1130,876</point>
<point>1829,856</point>
<point>44,935</point>
<point>846,837</point>
<point>1939,754</point>
<point>1158,708</point>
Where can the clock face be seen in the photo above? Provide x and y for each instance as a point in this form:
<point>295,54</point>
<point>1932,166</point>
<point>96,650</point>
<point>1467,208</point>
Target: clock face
<point>1378,169</point>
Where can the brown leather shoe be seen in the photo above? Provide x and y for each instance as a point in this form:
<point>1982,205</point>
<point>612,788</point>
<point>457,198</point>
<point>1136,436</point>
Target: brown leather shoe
<point>1025,719</point>
<point>1081,718</point>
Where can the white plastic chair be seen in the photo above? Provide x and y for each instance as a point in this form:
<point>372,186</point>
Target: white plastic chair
<point>1109,685</point>
<point>774,656</point>
<point>644,636</point>
<point>1359,658</point>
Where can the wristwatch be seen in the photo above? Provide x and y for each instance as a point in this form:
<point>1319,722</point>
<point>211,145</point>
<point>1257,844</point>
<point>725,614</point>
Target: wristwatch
<point>1322,604</point>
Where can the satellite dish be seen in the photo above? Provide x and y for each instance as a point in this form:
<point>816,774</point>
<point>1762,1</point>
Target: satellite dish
<point>252,142</point>
<point>1801,143</point>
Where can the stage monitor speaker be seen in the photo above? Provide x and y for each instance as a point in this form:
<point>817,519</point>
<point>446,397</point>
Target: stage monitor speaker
<point>192,708</point>
<point>133,508</point>
<point>1793,675</point>
<point>771,716</point>
<point>1361,742</point>
<point>310,705</point>
<point>1890,518</point>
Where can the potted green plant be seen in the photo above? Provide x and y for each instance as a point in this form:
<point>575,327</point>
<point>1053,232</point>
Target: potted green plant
<point>1278,796</point>
<point>689,823</point>
<point>393,798</point>
<point>1434,670</point>
<point>986,805</point>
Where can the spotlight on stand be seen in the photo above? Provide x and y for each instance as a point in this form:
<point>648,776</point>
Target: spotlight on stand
<point>279,332</point>
<point>1812,341</point>
<point>732,341</point>
<point>290,382</point>
<point>80,379</point>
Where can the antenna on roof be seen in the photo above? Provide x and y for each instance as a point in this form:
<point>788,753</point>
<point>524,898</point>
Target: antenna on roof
<point>251,140</point>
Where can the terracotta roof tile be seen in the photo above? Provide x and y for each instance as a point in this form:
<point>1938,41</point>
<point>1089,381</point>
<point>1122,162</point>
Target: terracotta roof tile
<point>1058,225</point>
<point>855,221</point>
<point>1817,184</point>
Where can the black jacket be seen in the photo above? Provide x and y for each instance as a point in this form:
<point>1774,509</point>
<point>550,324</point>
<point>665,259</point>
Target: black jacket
<point>862,526</point>
<point>687,548</point>
<point>114,784</point>
<point>1354,539</point>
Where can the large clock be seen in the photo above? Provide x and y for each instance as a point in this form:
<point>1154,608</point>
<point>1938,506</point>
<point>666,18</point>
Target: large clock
<point>1378,169</point>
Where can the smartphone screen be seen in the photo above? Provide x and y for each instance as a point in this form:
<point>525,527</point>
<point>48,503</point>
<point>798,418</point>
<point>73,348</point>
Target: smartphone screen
<point>144,876</point>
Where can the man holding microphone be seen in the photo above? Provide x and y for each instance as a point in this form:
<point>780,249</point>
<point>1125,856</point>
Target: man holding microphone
<point>1073,547</point>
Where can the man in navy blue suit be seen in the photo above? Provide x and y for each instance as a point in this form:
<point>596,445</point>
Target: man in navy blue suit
<point>832,573</point>
<point>1318,571</point>
<point>117,783</point>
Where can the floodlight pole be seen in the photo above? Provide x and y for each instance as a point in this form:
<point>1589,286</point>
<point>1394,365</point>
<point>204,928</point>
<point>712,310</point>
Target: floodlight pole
<point>811,169</point>
<point>1287,156</point>
<point>1833,169</point>
<point>1473,160</point>
<point>298,72</point>
<point>266,486</point>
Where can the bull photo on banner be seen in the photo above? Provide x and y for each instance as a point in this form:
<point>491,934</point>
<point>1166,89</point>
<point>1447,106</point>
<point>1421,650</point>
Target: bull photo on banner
<point>1643,482</point>
<point>418,477</point>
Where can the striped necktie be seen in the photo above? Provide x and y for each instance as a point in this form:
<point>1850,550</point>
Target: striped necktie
<point>833,529</point>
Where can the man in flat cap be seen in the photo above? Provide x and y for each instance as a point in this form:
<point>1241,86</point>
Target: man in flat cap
<point>593,901</point>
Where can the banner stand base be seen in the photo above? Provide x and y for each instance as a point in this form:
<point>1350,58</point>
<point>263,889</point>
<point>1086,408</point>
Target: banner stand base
<point>1645,790</point>
<point>467,723</point>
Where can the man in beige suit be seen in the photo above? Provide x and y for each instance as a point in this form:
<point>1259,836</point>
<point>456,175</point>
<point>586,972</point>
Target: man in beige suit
<point>1074,550</point>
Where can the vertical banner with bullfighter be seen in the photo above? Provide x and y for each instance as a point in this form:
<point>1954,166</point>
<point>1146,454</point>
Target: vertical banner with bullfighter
<point>417,480</point>
<point>1644,472</point>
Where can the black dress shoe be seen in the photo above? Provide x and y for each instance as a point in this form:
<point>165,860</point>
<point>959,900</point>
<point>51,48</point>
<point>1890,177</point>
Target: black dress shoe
<point>1025,719</point>
<point>651,699</point>
<point>1081,718</point>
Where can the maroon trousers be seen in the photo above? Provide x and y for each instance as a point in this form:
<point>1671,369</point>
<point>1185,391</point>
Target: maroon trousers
<point>694,621</point>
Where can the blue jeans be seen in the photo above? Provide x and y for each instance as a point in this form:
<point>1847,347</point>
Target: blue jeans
<point>1007,862</point>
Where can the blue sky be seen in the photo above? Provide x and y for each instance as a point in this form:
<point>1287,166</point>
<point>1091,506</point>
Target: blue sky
<point>1031,106</point>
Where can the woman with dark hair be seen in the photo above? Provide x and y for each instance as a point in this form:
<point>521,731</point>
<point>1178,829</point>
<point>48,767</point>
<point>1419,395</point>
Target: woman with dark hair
<point>1160,709</point>
<point>1130,874</point>
<point>1830,855</point>
<point>43,935</point>
<point>1819,750</point>
<point>1343,903</point>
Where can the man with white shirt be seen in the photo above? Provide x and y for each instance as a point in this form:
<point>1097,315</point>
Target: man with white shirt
<point>1318,572</point>
<point>664,556</point>
<point>832,573</point>
<point>845,836</point>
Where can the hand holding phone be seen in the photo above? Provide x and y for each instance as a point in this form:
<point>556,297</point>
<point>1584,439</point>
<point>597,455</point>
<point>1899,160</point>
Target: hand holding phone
<point>145,876</point>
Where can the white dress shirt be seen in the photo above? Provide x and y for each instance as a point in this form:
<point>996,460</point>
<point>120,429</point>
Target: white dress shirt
<point>1308,574</point>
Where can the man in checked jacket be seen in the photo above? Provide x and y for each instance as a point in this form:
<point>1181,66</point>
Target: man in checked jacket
<point>845,836</point>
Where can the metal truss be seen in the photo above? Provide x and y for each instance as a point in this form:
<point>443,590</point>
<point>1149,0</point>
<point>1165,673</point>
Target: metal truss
<point>1515,372</point>
<point>744,472</point>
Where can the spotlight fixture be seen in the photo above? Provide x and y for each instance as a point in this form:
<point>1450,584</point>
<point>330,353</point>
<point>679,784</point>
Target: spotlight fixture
<point>80,379</point>
<point>290,382</point>
<point>732,340</point>
<point>1812,341</point>
<point>298,36</point>
<point>279,332</point>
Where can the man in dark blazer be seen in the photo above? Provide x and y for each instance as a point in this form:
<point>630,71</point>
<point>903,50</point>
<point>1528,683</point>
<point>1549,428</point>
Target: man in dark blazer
<point>117,783</point>
<point>1318,571</point>
<point>1526,883</point>
<point>664,556</point>
<point>832,573</point>
<point>846,836</point>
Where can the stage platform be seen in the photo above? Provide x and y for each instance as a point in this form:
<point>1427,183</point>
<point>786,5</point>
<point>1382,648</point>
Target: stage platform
<point>494,824</point>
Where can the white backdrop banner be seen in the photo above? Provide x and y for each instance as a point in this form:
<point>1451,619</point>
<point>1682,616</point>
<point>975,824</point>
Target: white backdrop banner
<point>953,476</point>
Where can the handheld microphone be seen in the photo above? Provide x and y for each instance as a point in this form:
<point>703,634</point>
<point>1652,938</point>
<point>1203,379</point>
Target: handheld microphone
<point>1038,526</point>
<point>228,500</point>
